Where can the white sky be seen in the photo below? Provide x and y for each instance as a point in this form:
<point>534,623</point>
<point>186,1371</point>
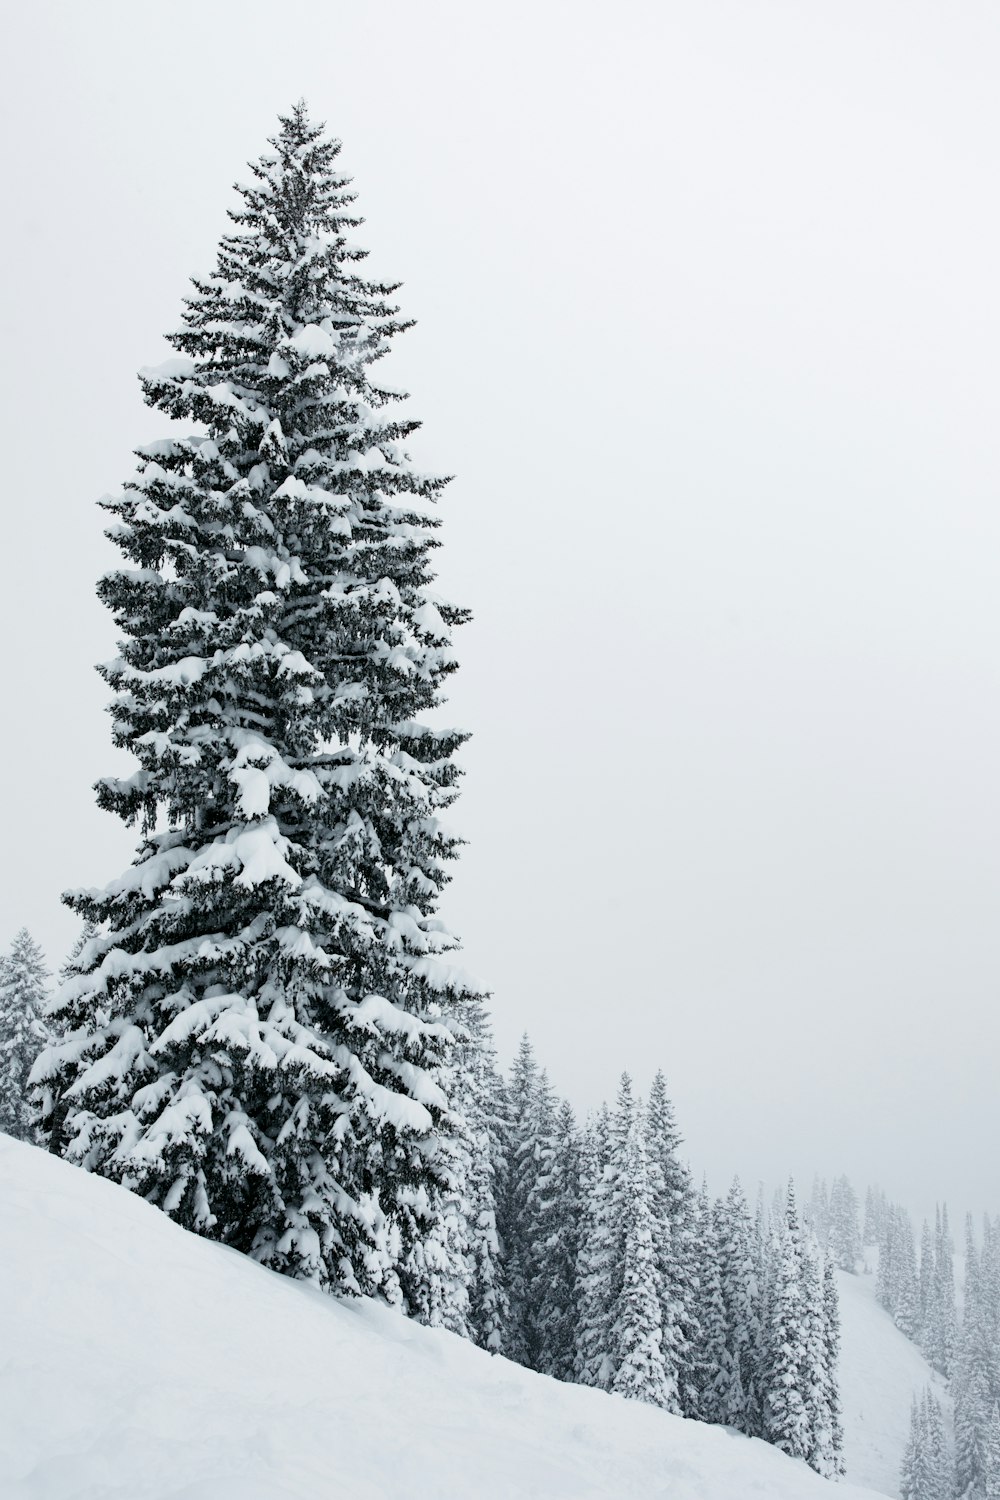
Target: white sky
<point>708,306</point>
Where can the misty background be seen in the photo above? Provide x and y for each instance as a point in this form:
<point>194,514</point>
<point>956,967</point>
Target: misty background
<point>708,313</point>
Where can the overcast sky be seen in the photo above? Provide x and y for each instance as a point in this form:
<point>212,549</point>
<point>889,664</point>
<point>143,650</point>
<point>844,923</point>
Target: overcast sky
<point>709,303</point>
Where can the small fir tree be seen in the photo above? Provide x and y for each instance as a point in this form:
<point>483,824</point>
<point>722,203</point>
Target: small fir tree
<point>529,1144</point>
<point>558,1224</point>
<point>601,1258</point>
<point>831,1329</point>
<point>483,1104</point>
<point>942,1320</point>
<point>706,1365</point>
<point>786,1418</point>
<point>940,1466</point>
<point>673,1205</point>
<point>844,1236</point>
<point>991,1456</point>
<point>925,1288</point>
<point>738,1271</point>
<point>593,1258</point>
<point>817,1375</point>
<point>876,1209</point>
<point>23,1033</point>
<point>817,1215</point>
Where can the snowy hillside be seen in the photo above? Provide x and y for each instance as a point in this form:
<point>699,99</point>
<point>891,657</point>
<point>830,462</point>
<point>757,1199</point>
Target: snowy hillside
<point>879,1371</point>
<point>140,1363</point>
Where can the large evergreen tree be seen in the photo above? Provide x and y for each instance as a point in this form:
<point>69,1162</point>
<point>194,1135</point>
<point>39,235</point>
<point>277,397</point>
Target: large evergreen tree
<point>258,1038</point>
<point>23,993</point>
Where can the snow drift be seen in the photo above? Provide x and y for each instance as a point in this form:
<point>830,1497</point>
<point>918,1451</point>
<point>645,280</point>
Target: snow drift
<point>138,1362</point>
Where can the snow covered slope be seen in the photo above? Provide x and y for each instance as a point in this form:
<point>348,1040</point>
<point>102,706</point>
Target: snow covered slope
<point>140,1363</point>
<point>879,1372</point>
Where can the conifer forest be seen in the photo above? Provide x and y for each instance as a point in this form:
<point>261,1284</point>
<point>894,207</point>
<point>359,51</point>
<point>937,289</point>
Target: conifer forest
<point>266,1050</point>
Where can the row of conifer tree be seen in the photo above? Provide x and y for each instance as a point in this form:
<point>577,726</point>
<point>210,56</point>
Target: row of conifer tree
<point>586,1253</point>
<point>609,1268</point>
<point>920,1294</point>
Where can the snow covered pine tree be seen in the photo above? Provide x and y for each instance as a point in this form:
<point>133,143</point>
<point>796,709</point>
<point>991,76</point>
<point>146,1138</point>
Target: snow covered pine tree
<point>23,992</point>
<point>256,1040</point>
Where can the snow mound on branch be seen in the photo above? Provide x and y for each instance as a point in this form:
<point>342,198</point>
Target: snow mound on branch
<point>142,1363</point>
<point>880,1371</point>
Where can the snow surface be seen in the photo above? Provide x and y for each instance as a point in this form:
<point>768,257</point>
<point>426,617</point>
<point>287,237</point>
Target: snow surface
<point>138,1362</point>
<point>880,1370</point>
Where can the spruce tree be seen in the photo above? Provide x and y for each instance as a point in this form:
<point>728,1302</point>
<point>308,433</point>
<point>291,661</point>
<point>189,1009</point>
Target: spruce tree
<point>705,1368</point>
<point>673,1205</point>
<point>818,1213</point>
<point>844,1232</point>
<point>925,1288</point>
<point>529,1144</point>
<point>786,1417</point>
<point>909,1476</point>
<point>939,1464</point>
<point>906,1311</point>
<point>483,1104</point>
<point>534,1171</point>
<point>634,1326</point>
<point>972,1413</point>
<point>603,1241</point>
<point>738,1274</point>
<point>831,1326</point>
<point>991,1456</point>
<point>896,1284</point>
<point>926,1470</point>
<point>818,1378</point>
<point>942,1324</point>
<point>557,1224</point>
<point>591,1365</point>
<point>23,1033</point>
<point>258,1040</point>
<point>876,1208</point>
<point>975,1381</point>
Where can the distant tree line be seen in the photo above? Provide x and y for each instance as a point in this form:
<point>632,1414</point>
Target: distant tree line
<point>917,1288</point>
<point>598,1261</point>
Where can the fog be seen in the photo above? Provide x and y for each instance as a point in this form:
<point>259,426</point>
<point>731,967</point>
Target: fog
<point>708,312</point>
